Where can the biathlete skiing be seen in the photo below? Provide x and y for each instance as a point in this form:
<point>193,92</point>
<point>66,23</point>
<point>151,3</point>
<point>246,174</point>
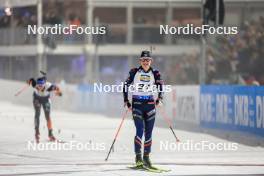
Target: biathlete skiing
<point>143,105</point>
<point>41,97</point>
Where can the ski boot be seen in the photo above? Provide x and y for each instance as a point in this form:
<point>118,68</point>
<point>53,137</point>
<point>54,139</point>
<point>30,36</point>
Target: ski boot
<point>51,137</point>
<point>139,162</point>
<point>146,161</point>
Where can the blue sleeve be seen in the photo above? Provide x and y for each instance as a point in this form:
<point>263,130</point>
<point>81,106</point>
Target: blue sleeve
<point>128,82</point>
<point>159,83</point>
<point>52,88</point>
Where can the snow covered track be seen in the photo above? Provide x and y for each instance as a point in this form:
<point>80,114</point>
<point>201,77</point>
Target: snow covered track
<point>16,128</point>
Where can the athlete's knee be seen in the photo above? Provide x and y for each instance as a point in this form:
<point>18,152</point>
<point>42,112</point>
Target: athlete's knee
<point>36,103</point>
<point>148,142</point>
<point>138,140</point>
<point>37,113</point>
<point>139,132</point>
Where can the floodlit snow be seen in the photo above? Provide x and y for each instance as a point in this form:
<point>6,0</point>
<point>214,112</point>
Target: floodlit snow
<point>16,129</point>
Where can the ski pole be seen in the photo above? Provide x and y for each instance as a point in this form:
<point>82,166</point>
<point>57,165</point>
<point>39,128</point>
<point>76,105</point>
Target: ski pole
<point>22,90</point>
<point>167,120</point>
<point>123,118</point>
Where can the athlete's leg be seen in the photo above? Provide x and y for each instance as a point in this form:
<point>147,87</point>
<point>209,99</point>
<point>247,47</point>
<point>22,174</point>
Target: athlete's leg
<point>47,107</point>
<point>139,124</point>
<point>37,106</point>
<point>149,120</point>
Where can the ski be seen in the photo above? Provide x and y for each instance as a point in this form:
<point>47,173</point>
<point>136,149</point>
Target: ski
<point>136,167</point>
<point>143,168</point>
<point>160,169</point>
<point>148,169</point>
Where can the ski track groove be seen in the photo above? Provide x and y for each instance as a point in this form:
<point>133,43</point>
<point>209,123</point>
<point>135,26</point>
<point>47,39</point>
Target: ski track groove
<point>128,163</point>
<point>27,156</point>
<point>47,173</point>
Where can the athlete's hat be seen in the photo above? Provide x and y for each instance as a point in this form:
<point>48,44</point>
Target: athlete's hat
<point>41,81</point>
<point>145,54</point>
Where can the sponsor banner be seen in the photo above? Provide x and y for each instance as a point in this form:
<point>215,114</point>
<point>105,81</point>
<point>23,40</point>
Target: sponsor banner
<point>183,103</point>
<point>233,107</point>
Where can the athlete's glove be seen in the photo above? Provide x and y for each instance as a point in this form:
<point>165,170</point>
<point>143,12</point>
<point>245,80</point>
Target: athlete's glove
<point>127,104</point>
<point>57,91</point>
<point>158,102</point>
<point>31,82</point>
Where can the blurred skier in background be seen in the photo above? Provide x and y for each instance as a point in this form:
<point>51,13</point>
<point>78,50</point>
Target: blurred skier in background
<point>41,97</point>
